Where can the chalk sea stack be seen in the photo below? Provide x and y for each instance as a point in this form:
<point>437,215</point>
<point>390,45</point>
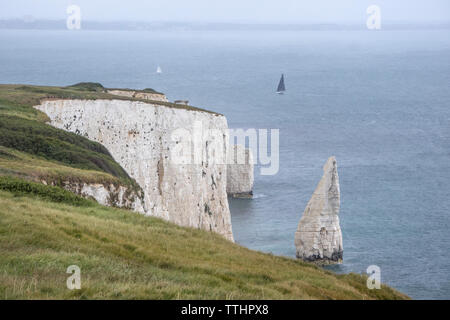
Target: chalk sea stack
<point>318,237</point>
<point>240,172</point>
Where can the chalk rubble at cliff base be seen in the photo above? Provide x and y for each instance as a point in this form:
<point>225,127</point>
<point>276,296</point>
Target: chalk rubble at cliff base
<point>318,237</point>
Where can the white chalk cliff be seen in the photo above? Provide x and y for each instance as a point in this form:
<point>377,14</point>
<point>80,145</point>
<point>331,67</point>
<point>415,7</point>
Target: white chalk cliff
<point>139,136</point>
<point>240,174</point>
<point>318,237</point>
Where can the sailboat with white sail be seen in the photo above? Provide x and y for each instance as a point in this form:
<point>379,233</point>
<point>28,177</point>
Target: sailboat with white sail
<point>281,87</point>
<point>158,70</point>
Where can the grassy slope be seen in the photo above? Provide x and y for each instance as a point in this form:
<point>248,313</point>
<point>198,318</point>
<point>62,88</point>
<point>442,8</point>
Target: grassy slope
<point>21,164</point>
<point>121,254</point>
<point>125,255</point>
<point>32,149</point>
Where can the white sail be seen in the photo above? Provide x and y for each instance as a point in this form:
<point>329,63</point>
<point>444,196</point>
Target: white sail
<point>158,70</point>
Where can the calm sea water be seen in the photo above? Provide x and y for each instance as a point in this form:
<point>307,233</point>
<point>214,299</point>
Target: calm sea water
<point>378,101</point>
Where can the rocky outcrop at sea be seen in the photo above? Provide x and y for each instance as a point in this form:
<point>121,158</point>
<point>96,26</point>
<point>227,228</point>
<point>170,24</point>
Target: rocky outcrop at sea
<point>240,172</point>
<point>318,237</point>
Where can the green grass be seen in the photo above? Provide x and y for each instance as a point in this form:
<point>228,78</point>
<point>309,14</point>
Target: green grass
<point>20,187</point>
<point>88,86</point>
<point>29,147</point>
<point>59,155</point>
<point>124,255</point>
<point>146,90</point>
<point>38,169</point>
<point>42,140</point>
<point>98,87</point>
<point>28,95</point>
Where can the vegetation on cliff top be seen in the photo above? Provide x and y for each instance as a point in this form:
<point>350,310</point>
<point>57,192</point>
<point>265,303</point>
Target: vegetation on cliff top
<point>20,187</point>
<point>124,255</point>
<point>98,87</point>
<point>88,86</point>
<point>40,139</point>
<point>58,155</point>
<point>30,95</point>
<point>31,148</point>
<point>14,163</point>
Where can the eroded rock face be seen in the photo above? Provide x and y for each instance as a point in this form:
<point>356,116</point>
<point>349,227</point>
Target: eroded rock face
<point>318,237</point>
<point>139,136</point>
<point>108,195</point>
<point>240,172</point>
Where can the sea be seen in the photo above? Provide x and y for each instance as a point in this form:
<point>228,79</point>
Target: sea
<point>379,101</point>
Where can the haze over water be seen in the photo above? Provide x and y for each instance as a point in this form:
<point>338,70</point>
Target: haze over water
<point>378,101</point>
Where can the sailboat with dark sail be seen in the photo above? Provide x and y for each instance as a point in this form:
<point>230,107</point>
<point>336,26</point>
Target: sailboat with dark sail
<point>281,88</point>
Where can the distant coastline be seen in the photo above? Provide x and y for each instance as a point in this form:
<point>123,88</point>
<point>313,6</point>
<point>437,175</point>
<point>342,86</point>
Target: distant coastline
<point>31,23</point>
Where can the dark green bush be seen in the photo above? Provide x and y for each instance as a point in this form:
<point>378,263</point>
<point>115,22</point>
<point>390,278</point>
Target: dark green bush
<point>54,144</point>
<point>150,90</point>
<point>55,194</point>
<point>88,86</point>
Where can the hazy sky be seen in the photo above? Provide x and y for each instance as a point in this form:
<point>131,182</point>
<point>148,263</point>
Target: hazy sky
<point>253,11</point>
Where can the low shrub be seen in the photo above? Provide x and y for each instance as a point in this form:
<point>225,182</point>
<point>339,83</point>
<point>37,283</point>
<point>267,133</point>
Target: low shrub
<point>21,187</point>
<point>88,86</point>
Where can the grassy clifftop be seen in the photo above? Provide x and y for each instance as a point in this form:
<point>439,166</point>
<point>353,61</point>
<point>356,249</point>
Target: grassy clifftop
<point>32,149</point>
<point>124,255</point>
<point>28,95</point>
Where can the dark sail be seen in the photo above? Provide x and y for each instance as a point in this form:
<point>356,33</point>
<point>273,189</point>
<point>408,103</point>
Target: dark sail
<point>281,86</point>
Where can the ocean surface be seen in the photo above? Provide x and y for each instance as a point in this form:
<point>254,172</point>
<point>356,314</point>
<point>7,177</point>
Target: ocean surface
<point>377,100</point>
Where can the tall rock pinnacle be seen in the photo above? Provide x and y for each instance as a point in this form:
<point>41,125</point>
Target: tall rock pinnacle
<point>318,237</point>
